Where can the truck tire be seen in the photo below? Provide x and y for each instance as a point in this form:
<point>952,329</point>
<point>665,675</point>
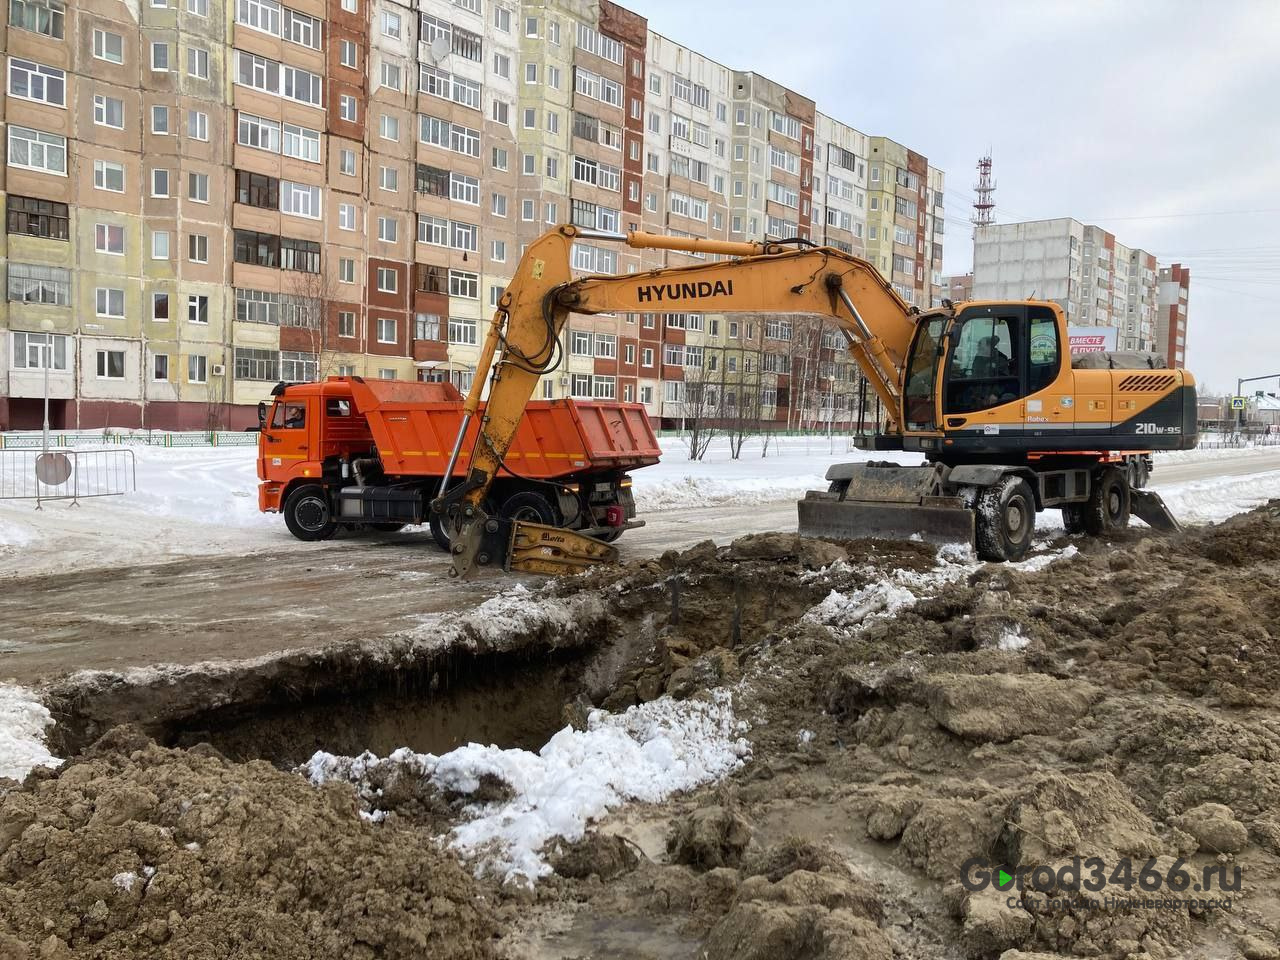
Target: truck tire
<point>440,528</point>
<point>1139,473</point>
<point>530,507</point>
<point>308,513</point>
<point>1006,520</point>
<point>1108,506</point>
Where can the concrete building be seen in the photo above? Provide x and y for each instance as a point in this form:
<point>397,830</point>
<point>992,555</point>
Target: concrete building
<point>205,197</point>
<point>1171,318</point>
<point>1097,280</point>
<point>958,288</point>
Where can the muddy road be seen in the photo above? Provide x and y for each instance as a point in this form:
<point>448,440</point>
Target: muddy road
<point>300,596</point>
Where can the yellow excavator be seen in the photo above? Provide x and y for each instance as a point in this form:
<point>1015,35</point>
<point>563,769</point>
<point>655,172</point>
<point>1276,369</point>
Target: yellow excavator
<point>986,391</point>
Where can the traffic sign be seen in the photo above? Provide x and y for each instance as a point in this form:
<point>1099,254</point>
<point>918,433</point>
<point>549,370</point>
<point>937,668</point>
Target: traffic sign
<point>1237,403</point>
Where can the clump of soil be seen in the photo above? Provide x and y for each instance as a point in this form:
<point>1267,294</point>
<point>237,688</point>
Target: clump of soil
<point>133,850</point>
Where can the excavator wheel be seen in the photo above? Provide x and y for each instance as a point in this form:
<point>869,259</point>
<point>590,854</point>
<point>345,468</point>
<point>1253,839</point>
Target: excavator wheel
<point>1006,520</point>
<point>1108,506</point>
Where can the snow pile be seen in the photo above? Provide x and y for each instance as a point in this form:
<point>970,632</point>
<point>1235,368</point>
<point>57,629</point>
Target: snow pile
<point>1012,639</point>
<point>1040,561</point>
<point>647,753</point>
<point>884,598</point>
<point>23,720</point>
<point>1216,499</point>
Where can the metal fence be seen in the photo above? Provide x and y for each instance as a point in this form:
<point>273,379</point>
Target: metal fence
<point>149,438</point>
<point>66,474</point>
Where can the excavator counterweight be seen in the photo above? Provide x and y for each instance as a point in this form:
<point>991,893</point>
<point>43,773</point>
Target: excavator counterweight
<point>985,394</point>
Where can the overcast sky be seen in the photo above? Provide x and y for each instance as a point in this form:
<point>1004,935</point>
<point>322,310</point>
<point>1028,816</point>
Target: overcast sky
<point>1159,121</point>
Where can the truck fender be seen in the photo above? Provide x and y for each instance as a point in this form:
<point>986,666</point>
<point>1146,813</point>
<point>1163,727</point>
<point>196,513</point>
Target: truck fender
<point>989,474</point>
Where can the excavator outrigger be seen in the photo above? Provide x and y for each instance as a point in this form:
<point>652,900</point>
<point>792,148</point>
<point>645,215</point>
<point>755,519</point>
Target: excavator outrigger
<point>986,391</point>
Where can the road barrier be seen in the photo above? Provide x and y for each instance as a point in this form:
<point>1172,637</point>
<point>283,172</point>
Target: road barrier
<point>66,474</point>
<point>148,438</point>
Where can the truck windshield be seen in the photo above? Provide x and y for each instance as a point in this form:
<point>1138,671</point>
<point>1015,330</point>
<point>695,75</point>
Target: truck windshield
<point>922,369</point>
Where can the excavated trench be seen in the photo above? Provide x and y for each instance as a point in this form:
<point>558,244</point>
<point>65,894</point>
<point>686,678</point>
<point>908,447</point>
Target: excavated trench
<point>622,637</point>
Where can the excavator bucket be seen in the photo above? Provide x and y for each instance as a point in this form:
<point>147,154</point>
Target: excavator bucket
<point>885,501</point>
<point>1149,508</point>
<point>526,548</point>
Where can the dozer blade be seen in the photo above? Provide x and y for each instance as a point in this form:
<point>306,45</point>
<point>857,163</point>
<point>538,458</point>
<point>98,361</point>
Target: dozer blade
<point>554,551</point>
<point>826,515</point>
<point>1149,508</point>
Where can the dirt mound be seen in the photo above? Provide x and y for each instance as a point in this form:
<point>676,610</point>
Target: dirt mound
<point>138,851</point>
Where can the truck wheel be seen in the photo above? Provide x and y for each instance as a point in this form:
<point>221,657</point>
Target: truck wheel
<point>529,507</point>
<point>1108,506</point>
<point>1139,473</point>
<point>441,530</point>
<point>1006,520</point>
<point>307,513</point>
<point>1073,518</point>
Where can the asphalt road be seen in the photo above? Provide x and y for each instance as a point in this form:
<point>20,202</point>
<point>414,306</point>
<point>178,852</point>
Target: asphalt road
<point>232,607</point>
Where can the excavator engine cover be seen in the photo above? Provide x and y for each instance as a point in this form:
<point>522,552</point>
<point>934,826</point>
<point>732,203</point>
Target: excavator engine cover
<point>888,502</point>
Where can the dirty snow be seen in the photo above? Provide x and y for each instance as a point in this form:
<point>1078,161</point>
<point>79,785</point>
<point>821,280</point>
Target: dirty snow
<point>647,753</point>
<point>125,880</point>
<point>1013,639</point>
<point>23,720</point>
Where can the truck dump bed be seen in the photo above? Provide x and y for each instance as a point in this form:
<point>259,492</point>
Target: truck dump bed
<point>414,426</point>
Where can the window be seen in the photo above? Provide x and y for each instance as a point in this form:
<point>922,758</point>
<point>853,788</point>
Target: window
<point>347,162</point>
<point>388,179</point>
<point>300,255</point>
<point>300,199</point>
<point>108,112</point>
<point>37,150</point>
<point>387,229</point>
<point>110,364</point>
<point>31,283</point>
<point>301,29</point>
<point>257,190</point>
<point>108,176</point>
<point>29,80</point>
<point>109,238</point>
<point>351,6</point>
<point>302,143</point>
<point>160,120</point>
<point>426,326</point>
<point>388,280</point>
<point>347,108</point>
<point>197,368</point>
<point>159,56</point>
<point>302,85</point>
<point>255,364</point>
<point>37,218</point>
<point>501,18</point>
<point>389,127</point>
<point>346,216</point>
<point>257,132</point>
<point>198,63</point>
<point>109,302</point>
<point>346,324</point>
<point>198,309</point>
<point>553,171</point>
<point>197,248</point>
<point>462,331</point>
<point>107,46</point>
<point>38,16</point>
<point>391,75</point>
<point>347,53</point>
<point>387,330</point>
<point>159,244</point>
<point>198,7</point>
<point>160,307</point>
<point>346,270</point>
<point>160,366</point>
<point>198,187</point>
<point>462,284</point>
<point>197,125</point>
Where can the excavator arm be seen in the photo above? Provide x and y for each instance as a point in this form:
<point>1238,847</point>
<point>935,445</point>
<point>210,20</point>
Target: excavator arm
<point>522,344</point>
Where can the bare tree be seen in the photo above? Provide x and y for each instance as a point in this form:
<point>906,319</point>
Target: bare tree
<point>313,296</point>
<point>741,415</point>
<point>700,410</point>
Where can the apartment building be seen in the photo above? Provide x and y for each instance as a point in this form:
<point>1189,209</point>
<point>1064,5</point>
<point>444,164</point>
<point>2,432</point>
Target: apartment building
<point>1171,317</point>
<point>204,197</point>
<point>1098,281</point>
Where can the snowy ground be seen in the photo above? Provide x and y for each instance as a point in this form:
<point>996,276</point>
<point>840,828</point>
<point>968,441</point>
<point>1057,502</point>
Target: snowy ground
<point>203,502</point>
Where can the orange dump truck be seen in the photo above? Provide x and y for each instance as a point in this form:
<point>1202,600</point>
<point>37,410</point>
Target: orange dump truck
<point>354,452</point>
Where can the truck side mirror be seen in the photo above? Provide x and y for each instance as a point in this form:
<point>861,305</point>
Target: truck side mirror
<point>262,414</point>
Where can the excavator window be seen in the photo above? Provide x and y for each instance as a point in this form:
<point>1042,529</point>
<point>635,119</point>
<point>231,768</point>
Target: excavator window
<point>986,359</point>
<point>1044,356</point>
<point>918,396</point>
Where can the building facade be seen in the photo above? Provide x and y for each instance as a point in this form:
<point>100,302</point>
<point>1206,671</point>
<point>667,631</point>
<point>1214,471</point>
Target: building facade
<point>958,288</point>
<point>1171,319</point>
<point>205,197</point>
<point>1098,281</point>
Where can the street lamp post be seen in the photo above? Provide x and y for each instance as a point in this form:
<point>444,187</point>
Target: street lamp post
<point>1239,393</point>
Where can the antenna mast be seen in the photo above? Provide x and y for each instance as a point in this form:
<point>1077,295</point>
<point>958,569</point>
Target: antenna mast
<point>984,190</point>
